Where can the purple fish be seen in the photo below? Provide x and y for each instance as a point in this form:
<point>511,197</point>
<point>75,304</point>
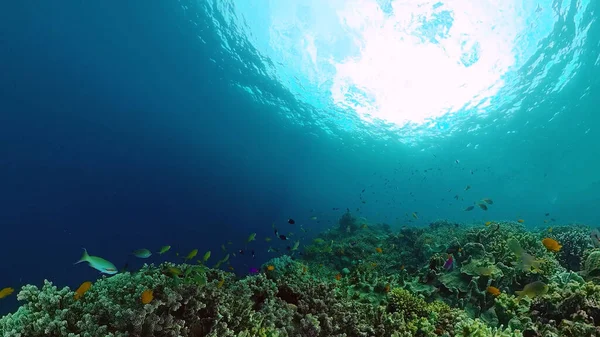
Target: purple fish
<point>254,270</point>
<point>449,263</point>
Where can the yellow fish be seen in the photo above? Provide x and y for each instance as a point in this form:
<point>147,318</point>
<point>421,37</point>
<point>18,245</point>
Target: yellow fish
<point>83,288</point>
<point>488,223</point>
<point>252,237</point>
<point>206,256</point>
<point>192,254</point>
<point>147,296</point>
<point>220,284</point>
<point>415,215</point>
<point>6,291</point>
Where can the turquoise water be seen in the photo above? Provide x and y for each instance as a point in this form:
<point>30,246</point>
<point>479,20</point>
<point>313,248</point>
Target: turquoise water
<point>505,88</point>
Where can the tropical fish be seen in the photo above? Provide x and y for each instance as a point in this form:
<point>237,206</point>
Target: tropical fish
<point>488,223</point>
<point>221,282</point>
<point>468,187</point>
<point>253,270</point>
<point>83,288</point>
<point>147,296</point>
<point>174,271</point>
<point>319,241</point>
<point>533,289</point>
<point>206,256</point>
<point>192,254</point>
<point>98,263</point>
<point>415,215</point>
<point>268,239</point>
<point>270,267</point>
<point>493,290</point>
<point>223,248</point>
<point>6,291</point>
<point>142,253</point>
<point>488,201</point>
<point>296,245</point>
<point>551,244</point>
<point>483,207</point>
<point>520,221</point>
<point>338,277</point>
<point>449,264</point>
<point>283,237</point>
<point>379,250</point>
<point>163,249</point>
<point>313,218</point>
<point>525,261</point>
<point>470,208</point>
<point>252,237</point>
<point>291,221</point>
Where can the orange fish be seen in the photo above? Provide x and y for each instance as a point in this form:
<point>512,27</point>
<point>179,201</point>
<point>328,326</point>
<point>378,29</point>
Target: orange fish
<point>379,250</point>
<point>387,288</point>
<point>520,221</point>
<point>6,291</point>
<point>83,288</point>
<point>551,244</point>
<point>338,277</point>
<point>270,267</point>
<point>304,269</point>
<point>147,296</point>
<point>493,290</point>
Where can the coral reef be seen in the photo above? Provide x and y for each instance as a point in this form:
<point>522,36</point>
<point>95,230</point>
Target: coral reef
<point>358,279</point>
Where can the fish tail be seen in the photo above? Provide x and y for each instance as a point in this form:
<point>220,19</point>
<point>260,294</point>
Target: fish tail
<point>84,257</point>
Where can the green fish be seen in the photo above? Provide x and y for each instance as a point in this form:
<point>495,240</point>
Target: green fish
<point>206,256</point>
<point>164,249</point>
<point>252,237</point>
<point>223,248</point>
<point>98,263</point>
<point>533,289</point>
<point>296,245</point>
<point>192,254</point>
<point>142,253</point>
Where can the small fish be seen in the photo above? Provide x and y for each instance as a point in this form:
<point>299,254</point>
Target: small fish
<point>231,268</point>
<point>98,263</point>
<point>547,214</point>
<point>253,270</point>
<point>270,267</point>
<point>163,249</point>
<point>532,290</point>
<point>192,254</point>
<point>449,264</point>
<point>268,239</point>
<point>223,248</point>
<point>493,291</point>
<point>6,291</point>
<point>364,226</point>
<point>272,250</point>
<point>253,255</point>
<point>482,206</point>
<point>415,215</point>
<point>174,271</point>
<point>488,201</point>
<point>457,161</point>
<point>379,250</point>
<point>283,237</point>
<point>291,221</point>
<point>221,282</point>
<point>549,229</point>
<point>468,187</point>
<point>551,244</point>
<point>83,288</point>
<point>488,223</point>
<point>251,238</point>
<point>241,252</point>
<point>147,296</point>
<point>206,256</point>
<point>296,244</point>
<point>338,277</point>
<point>142,253</point>
<point>313,218</point>
<point>353,243</point>
<point>520,221</point>
<point>470,208</point>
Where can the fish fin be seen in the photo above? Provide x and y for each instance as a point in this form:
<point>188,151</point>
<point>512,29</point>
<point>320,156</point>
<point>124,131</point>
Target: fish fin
<point>84,257</point>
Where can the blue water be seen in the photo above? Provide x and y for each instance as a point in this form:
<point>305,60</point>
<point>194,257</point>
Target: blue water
<point>150,123</point>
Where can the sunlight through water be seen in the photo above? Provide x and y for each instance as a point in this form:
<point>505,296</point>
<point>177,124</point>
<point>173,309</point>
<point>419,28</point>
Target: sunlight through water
<point>418,67</point>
